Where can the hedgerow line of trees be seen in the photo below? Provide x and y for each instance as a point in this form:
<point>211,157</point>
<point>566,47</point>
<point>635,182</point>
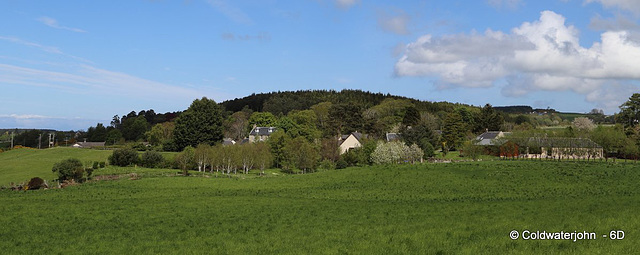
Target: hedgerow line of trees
<point>307,132</point>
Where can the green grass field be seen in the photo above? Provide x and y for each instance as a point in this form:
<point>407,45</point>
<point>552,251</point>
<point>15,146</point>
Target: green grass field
<point>447,208</point>
<point>22,164</point>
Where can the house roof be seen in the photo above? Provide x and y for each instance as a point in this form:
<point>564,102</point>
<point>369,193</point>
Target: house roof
<point>228,141</point>
<point>562,142</point>
<point>357,135</point>
<point>393,137</point>
<point>262,131</point>
<point>487,138</point>
<point>89,144</point>
<point>489,135</point>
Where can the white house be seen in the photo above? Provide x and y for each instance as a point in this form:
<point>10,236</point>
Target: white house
<point>350,141</point>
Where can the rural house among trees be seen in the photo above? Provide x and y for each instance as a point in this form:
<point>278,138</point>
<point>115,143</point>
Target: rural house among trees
<point>490,138</point>
<point>260,133</point>
<point>347,142</point>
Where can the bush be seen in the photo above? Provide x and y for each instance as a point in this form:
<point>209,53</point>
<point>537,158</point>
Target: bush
<point>152,159</point>
<point>89,171</point>
<point>36,183</point>
<point>327,165</point>
<point>140,147</point>
<point>124,157</point>
<point>396,152</point>
<point>427,148</point>
<point>102,164</point>
<point>95,165</point>
<point>341,164</point>
<point>69,169</point>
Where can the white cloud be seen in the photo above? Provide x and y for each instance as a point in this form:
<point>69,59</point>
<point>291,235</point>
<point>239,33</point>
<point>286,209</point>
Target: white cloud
<point>230,11</point>
<point>346,4</point>
<point>612,95</point>
<point>91,80</point>
<point>511,4</point>
<point>616,24</point>
<point>395,23</point>
<point>628,5</point>
<point>541,55</point>
<point>31,44</point>
<point>54,24</point>
<point>45,122</point>
<point>23,116</point>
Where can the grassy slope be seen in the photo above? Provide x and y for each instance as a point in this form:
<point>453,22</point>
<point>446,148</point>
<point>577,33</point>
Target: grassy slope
<point>423,209</point>
<point>22,164</point>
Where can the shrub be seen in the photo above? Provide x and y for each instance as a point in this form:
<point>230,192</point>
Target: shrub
<point>140,147</point>
<point>95,165</point>
<point>152,159</point>
<point>327,165</point>
<point>186,160</point>
<point>341,164</point>
<point>36,183</point>
<point>102,164</point>
<point>396,152</point>
<point>68,169</point>
<point>89,171</point>
<point>427,148</point>
<point>124,157</point>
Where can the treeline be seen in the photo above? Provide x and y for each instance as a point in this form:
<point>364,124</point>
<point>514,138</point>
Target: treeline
<point>35,138</point>
<point>131,127</point>
<point>281,103</point>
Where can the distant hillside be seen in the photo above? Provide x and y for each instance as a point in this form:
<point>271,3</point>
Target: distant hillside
<point>514,109</point>
<point>286,101</point>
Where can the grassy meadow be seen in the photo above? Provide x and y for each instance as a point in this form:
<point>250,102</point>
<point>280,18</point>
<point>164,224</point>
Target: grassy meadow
<point>445,208</point>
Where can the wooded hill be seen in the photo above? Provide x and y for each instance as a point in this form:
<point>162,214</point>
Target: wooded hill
<point>282,102</point>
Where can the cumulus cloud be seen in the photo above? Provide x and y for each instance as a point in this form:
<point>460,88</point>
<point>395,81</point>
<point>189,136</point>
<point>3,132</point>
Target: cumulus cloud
<point>541,55</point>
<point>612,96</point>
<point>51,22</point>
<point>396,23</point>
<point>628,5</point>
<point>614,24</point>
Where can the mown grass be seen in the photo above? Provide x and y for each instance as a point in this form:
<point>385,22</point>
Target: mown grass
<point>467,208</point>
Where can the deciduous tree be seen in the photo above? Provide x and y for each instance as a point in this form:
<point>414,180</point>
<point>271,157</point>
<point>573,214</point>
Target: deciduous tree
<point>200,123</point>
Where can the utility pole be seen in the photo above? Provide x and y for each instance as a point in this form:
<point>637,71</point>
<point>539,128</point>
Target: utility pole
<point>12,133</point>
<point>39,141</point>
<point>52,138</point>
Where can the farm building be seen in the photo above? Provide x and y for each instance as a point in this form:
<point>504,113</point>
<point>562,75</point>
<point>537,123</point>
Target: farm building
<point>350,141</point>
<point>555,147</point>
<point>88,145</point>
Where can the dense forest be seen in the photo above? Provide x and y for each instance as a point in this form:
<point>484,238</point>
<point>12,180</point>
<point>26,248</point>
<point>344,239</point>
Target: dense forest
<point>279,103</point>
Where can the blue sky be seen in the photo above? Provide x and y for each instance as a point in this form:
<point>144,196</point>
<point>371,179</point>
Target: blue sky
<point>71,64</point>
